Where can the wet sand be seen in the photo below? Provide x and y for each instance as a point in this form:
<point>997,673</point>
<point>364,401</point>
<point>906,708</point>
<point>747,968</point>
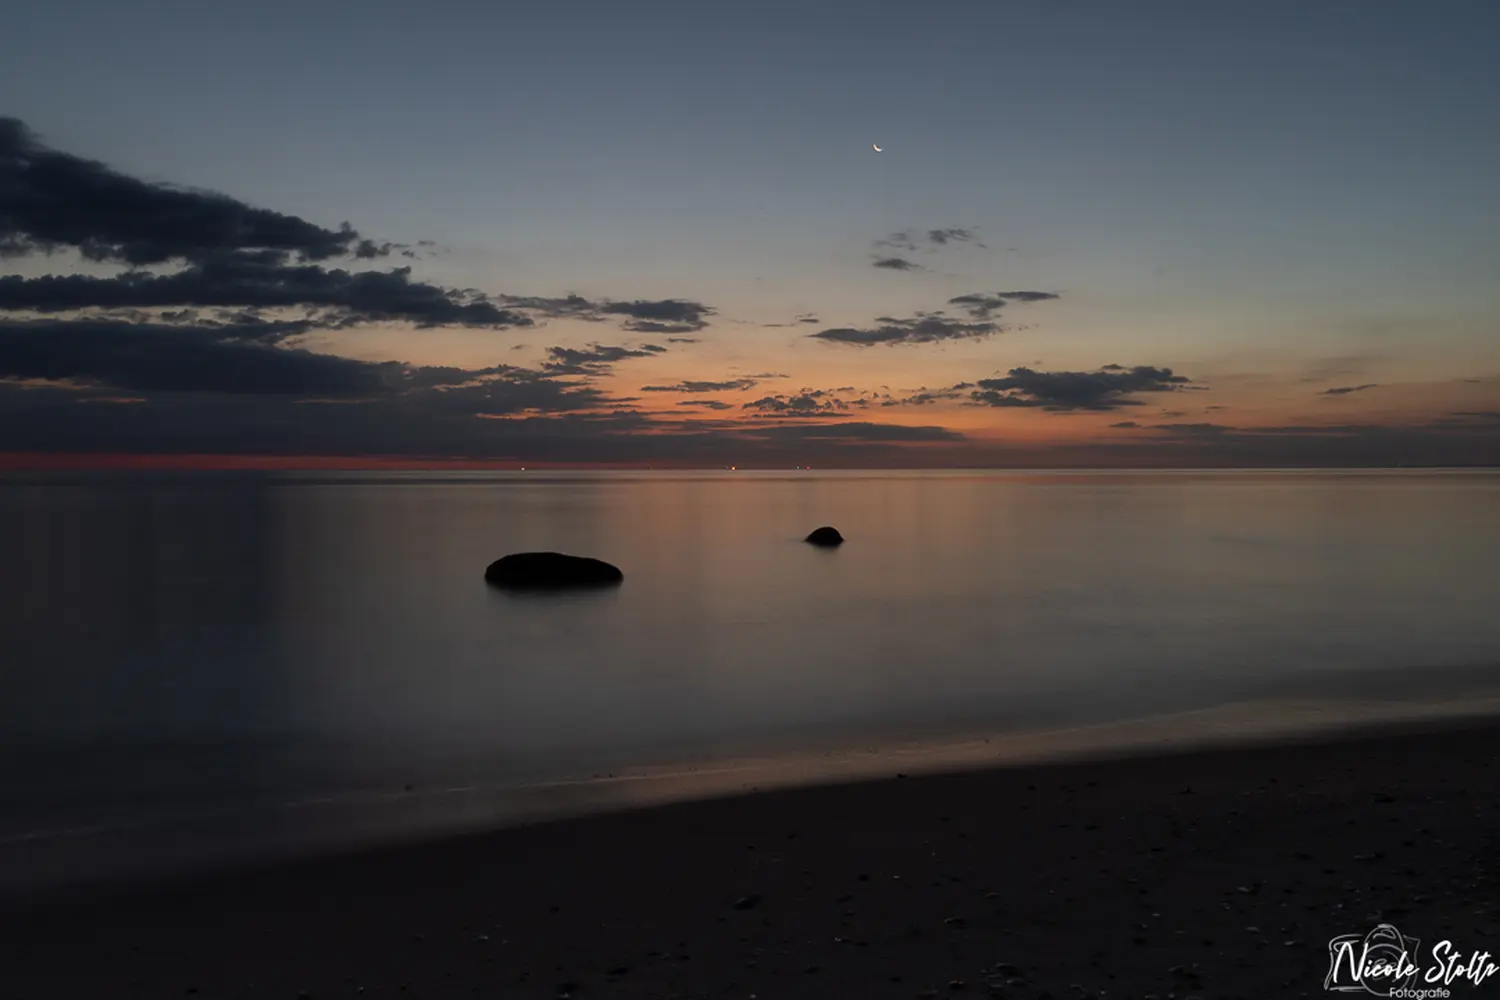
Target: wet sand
<point>1217,873</point>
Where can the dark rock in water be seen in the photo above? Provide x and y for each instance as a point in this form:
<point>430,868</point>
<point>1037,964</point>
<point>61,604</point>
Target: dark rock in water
<point>550,571</point>
<point>825,536</point>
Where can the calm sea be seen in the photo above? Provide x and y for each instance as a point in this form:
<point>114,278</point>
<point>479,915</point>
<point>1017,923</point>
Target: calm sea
<point>266,654</point>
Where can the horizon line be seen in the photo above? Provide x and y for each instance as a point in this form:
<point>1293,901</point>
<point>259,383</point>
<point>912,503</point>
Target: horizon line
<point>211,461</point>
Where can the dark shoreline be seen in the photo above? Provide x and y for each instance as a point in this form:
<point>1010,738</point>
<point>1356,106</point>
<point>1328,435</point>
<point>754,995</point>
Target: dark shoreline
<point>1232,866</point>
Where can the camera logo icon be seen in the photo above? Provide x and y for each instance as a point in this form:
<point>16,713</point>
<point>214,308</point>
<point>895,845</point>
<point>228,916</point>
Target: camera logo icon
<point>1379,963</point>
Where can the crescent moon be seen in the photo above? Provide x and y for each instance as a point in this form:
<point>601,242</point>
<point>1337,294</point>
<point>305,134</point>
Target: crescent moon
<point>877,148</point>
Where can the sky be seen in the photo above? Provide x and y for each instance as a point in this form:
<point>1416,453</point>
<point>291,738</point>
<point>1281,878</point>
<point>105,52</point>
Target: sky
<point>589,232</point>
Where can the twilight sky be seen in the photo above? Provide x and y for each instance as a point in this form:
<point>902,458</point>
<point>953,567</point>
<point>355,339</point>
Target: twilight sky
<point>1154,233</point>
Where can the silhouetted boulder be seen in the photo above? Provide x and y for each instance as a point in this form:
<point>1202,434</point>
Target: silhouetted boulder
<point>550,571</point>
<point>825,536</point>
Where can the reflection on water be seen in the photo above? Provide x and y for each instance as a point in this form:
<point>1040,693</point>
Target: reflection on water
<point>213,640</point>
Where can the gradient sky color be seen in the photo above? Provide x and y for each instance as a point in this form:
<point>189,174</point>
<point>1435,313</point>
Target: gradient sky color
<point>1272,200</point>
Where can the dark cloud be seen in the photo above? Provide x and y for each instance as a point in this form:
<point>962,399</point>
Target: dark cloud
<point>1125,425</point>
<point>808,318</point>
<point>520,410</point>
<point>914,239</point>
<point>565,307</point>
<point>930,328</point>
<point>520,418</point>
<point>527,415</point>
<point>904,240</point>
<point>118,357</point>
<point>1106,389</point>
<point>708,404</point>
<point>983,305</point>
<point>641,315</point>
<point>855,430</point>
<point>239,281</point>
<point>1344,390</point>
<point>1193,430</point>
<point>145,357</point>
<point>897,264</point>
<point>701,386</point>
<point>942,237</point>
<point>809,403</point>
<point>199,344</point>
<point>50,200</point>
<point>661,316</point>
<point>978,304</point>
<point>596,359</point>
<point>237,256</point>
<point>934,327</point>
<point>1028,296</point>
<point>925,396</point>
<point>652,326</point>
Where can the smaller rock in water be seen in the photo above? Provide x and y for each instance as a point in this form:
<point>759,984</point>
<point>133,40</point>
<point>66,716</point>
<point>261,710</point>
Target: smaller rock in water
<point>825,536</point>
<point>550,571</point>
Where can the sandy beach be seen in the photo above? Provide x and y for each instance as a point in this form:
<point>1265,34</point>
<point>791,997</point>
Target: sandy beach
<point>1214,873</point>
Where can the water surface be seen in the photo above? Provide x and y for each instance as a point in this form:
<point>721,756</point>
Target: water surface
<point>178,642</point>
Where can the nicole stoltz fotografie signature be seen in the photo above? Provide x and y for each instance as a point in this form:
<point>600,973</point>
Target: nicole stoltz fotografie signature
<point>1387,963</point>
